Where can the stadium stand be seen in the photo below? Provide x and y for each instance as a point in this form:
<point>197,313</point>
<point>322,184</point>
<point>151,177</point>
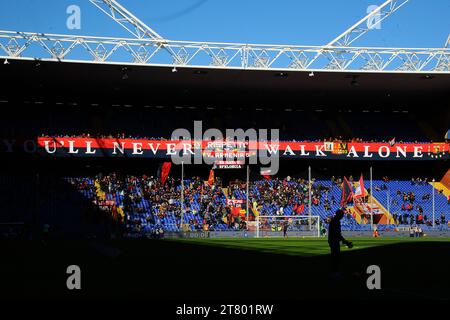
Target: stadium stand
<point>411,203</point>
<point>298,124</point>
<point>139,204</point>
<point>144,205</point>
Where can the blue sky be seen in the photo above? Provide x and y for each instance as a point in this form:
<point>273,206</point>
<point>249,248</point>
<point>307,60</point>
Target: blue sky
<point>420,23</point>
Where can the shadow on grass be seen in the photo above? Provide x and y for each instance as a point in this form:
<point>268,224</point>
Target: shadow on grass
<point>158,269</point>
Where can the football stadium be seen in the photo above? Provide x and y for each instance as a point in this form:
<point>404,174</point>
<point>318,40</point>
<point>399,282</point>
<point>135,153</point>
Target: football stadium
<point>207,172</point>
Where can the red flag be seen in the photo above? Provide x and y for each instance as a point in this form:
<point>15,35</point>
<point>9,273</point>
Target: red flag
<point>235,211</point>
<point>211,177</point>
<point>301,208</point>
<point>165,169</point>
<point>347,192</point>
<point>361,190</point>
<point>266,174</point>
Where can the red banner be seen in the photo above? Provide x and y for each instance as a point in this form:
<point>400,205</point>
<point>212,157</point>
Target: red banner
<point>228,150</point>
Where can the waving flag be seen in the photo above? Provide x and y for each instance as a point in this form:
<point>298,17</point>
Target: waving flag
<point>392,142</point>
<point>347,192</point>
<point>266,173</point>
<point>164,171</point>
<point>360,191</point>
<point>211,177</point>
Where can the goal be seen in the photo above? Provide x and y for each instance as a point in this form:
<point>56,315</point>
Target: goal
<point>297,226</point>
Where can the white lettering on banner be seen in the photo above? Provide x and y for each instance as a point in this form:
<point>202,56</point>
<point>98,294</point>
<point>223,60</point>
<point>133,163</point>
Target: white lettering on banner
<point>387,152</point>
<point>153,148</point>
<point>72,149</point>
<point>47,147</point>
<point>171,149</point>
<point>319,152</point>
<point>89,148</point>
<point>226,150</point>
<point>402,151</point>
<point>417,152</point>
<point>353,152</point>
<point>288,149</point>
<point>121,147</point>
<point>137,148</point>
<point>187,147</point>
<point>302,151</point>
<point>366,152</point>
<point>272,148</point>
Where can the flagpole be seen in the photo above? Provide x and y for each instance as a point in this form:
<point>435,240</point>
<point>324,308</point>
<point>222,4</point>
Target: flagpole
<point>182,195</point>
<point>433,203</point>
<point>388,206</point>
<point>309,196</point>
<point>247,188</point>
<point>371,199</point>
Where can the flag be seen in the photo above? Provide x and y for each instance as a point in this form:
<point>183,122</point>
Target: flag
<point>360,191</point>
<point>211,177</point>
<point>392,142</point>
<point>301,208</point>
<point>347,192</point>
<point>266,174</point>
<point>164,172</point>
<point>235,211</point>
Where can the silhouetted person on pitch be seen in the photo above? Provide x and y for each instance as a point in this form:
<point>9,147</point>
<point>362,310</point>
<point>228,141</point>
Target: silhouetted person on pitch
<point>334,240</point>
<point>285,229</point>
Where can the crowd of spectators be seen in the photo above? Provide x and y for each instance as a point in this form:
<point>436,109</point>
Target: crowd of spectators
<point>419,181</point>
<point>412,211</point>
<point>275,195</point>
<point>148,204</point>
<point>163,138</point>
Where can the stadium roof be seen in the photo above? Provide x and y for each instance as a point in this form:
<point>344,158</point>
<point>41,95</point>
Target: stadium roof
<point>121,83</point>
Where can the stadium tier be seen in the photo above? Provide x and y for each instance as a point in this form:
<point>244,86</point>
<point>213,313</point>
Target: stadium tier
<point>145,206</point>
<point>409,199</point>
<point>159,121</point>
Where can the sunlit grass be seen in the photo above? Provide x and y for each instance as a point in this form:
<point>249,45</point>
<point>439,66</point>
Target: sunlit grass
<point>296,246</point>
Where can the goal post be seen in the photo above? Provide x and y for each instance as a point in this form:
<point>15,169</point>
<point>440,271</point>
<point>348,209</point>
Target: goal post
<point>297,226</point>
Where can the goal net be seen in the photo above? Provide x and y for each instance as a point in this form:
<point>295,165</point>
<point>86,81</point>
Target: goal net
<point>295,226</point>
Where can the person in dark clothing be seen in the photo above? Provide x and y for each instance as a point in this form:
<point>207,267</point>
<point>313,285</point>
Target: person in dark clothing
<point>285,229</point>
<point>335,238</point>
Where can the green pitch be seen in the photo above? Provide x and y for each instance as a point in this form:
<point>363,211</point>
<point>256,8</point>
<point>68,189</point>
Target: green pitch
<point>305,246</point>
<point>413,268</point>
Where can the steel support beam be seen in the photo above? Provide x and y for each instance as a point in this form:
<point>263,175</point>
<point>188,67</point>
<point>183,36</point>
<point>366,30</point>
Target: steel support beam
<point>126,19</point>
<point>220,55</point>
<point>362,26</point>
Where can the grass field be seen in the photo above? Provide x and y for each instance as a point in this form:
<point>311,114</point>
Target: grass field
<point>221,269</point>
<point>303,247</point>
